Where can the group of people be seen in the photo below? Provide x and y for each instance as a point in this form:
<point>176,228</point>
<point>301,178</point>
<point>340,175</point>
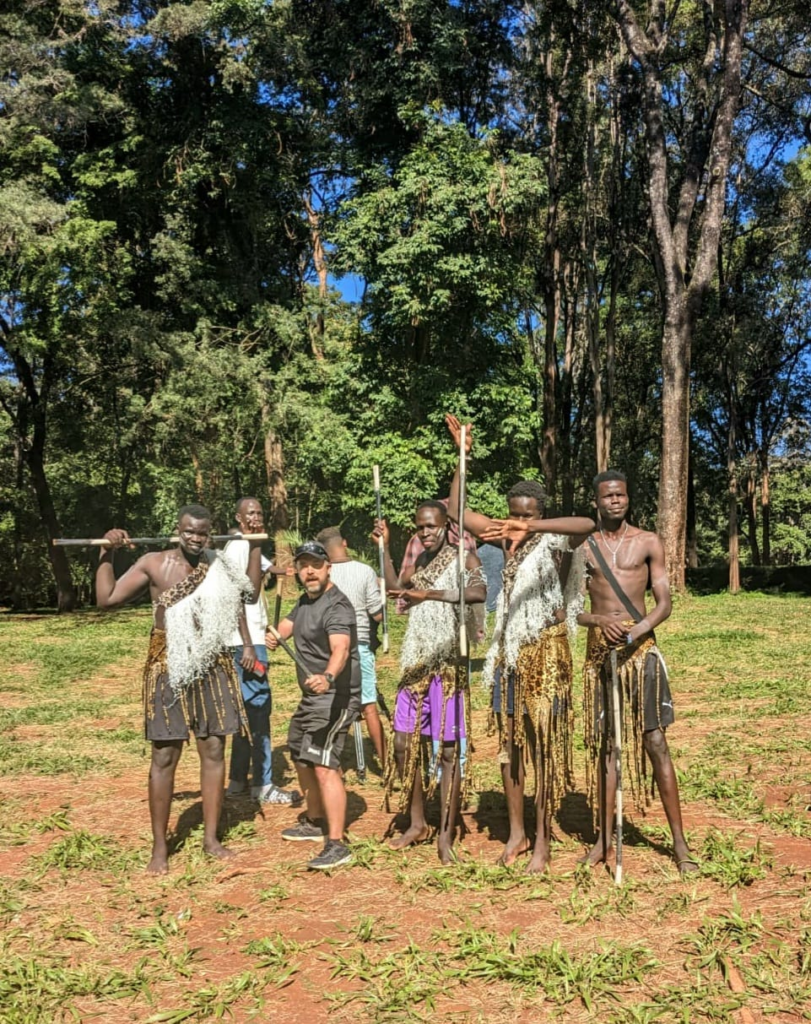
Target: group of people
<point>206,670</point>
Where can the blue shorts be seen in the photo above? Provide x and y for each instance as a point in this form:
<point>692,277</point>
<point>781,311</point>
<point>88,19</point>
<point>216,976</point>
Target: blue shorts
<point>368,676</point>
<point>497,693</point>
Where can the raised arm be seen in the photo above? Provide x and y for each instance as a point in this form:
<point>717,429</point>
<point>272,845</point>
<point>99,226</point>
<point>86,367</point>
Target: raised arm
<point>110,592</point>
<point>382,530</point>
<point>660,587</point>
<point>475,522</point>
<point>254,570</point>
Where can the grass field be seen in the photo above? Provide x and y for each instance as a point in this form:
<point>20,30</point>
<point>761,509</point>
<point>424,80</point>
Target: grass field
<point>86,935</point>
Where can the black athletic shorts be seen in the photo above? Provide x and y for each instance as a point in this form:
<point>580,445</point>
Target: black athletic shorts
<point>318,730</point>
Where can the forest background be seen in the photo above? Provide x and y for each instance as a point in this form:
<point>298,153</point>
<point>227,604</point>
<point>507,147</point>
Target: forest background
<point>256,247</point>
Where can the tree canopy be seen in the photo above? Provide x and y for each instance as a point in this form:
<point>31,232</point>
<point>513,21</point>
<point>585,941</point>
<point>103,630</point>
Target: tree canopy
<point>585,227</point>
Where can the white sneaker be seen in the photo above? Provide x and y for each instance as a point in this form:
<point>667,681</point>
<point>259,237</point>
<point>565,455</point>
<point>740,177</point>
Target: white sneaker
<point>272,794</point>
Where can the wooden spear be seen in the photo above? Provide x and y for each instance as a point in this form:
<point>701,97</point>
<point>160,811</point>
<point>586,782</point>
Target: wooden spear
<point>100,542</point>
<point>463,645</point>
<point>382,559</point>
<point>617,715</point>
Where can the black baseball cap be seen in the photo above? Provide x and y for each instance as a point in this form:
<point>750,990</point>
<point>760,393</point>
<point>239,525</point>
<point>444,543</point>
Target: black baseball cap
<point>312,548</point>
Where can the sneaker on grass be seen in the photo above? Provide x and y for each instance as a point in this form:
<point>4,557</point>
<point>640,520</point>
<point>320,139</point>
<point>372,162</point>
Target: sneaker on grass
<point>304,831</point>
<point>237,787</point>
<point>273,794</point>
<point>333,855</point>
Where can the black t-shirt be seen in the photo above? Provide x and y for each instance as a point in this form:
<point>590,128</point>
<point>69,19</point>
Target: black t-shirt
<point>314,621</point>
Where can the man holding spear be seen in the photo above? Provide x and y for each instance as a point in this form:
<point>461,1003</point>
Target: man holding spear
<point>190,685</point>
<point>529,664</point>
<point>625,673</point>
<point>433,707</point>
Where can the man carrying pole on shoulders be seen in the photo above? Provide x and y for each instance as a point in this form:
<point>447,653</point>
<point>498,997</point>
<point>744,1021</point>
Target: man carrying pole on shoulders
<point>190,685</point>
<point>621,560</point>
<point>529,664</point>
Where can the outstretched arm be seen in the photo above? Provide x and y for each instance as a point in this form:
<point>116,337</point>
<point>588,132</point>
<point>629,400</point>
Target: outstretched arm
<point>474,594</point>
<point>110,592</point>
<point>577,528</point>
<point>660,586</point>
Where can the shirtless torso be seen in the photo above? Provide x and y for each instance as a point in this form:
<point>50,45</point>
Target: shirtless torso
<point>637,560</point>
<point>157,572</point>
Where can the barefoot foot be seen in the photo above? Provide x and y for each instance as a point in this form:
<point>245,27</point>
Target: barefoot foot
<point>538,862</point>
<point>598,854</point>
<point>447,855</point>
<point>413,834</point>
<point>513,850</point>
<point>216,849</point>
<point>158,863</point>
<point>685,860</point>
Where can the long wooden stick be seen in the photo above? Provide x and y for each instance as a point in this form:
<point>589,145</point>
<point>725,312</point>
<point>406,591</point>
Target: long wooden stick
<point>360,757</point>
<point>277,605</point>
<point>285,646</point>
<point>617,715</point>
<point>463,645</point>
<point>382,558</point>
<point>100,542</point>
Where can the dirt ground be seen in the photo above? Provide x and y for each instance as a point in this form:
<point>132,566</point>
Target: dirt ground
<point>395,937</point>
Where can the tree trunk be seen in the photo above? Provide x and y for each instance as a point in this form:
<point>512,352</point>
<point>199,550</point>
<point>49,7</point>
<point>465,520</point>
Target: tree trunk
<point>17,589</point>
<point>751,514</point>
<point>65,591</point>
<point>199,486</point>
<point>551,296</point>
<point>765,507</point>
<point>680,244</point>
<point>278,516</point>
<point>692,537</point>
<point>734,552</point>
<point>320,263</point>
<point>672,519</point>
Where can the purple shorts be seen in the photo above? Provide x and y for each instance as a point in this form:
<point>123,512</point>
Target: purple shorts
<point>405,713</point>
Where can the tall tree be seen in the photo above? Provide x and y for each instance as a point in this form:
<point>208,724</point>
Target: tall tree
<point>691,73</point>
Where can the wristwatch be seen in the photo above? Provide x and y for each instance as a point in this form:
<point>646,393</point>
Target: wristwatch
<point>330,678</point>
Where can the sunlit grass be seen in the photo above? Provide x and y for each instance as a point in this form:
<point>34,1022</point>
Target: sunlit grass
<point>87,936</point>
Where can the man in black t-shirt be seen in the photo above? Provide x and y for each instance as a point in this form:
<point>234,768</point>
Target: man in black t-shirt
<point>323,624</point>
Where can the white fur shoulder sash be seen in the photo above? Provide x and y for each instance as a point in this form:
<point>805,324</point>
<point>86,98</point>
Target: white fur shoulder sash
<point>432,631</point>
<point>200,626</point>
<point>536,597</point>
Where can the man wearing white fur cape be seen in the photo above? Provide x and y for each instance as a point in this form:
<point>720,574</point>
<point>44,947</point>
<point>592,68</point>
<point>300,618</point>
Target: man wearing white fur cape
<point>432,711</point>
<point>529,664</point>
<point>190,685</point>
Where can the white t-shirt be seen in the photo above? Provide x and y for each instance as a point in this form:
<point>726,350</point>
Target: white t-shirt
<point>256,616</point>
<point>359,582</point>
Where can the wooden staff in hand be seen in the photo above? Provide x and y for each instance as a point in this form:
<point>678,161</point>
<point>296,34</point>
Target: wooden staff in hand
<point>381,558</point>
<point>617,715</point>
<point>463,644</point>
<point>103,542</point>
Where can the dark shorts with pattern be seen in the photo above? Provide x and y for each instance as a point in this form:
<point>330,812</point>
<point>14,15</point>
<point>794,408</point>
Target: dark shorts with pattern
<point>318,729</point>
<point>210,706</point>
<point>657,708</point>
